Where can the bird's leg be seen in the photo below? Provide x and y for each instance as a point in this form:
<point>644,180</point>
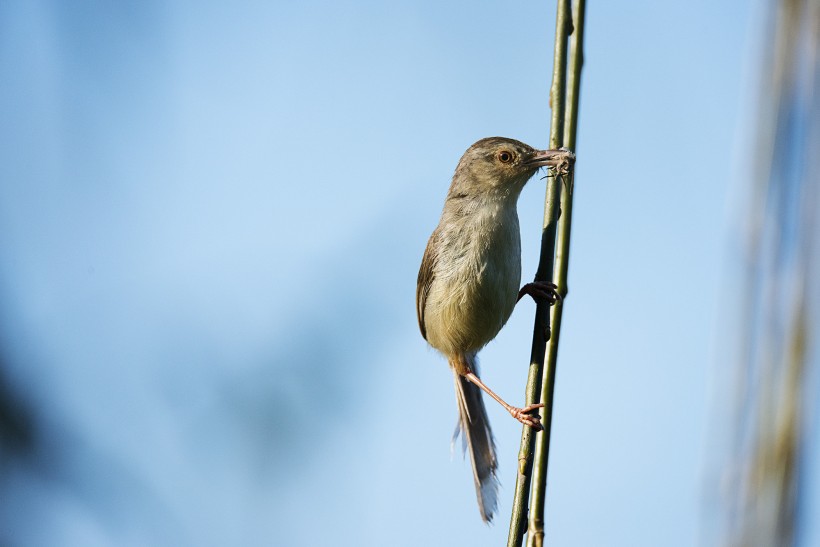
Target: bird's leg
<point>541,290</point>
<point>521,414</point>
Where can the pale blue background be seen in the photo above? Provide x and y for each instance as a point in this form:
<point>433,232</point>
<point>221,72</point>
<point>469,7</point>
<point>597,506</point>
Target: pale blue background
<point>211,220</point>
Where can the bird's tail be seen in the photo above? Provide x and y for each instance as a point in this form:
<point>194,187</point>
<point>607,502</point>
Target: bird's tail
<point>478,439</point>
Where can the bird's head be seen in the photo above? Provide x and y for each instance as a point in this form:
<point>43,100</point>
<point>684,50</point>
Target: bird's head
<point>501,167</point>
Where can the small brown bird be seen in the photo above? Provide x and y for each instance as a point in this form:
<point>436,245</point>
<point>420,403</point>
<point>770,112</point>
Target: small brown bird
<point>469,282</point>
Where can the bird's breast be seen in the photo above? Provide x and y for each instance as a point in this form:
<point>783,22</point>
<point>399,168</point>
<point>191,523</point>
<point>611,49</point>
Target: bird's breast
<point>476,280</point>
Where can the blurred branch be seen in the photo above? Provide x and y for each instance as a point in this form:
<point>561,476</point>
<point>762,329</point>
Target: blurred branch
<point>778,323</point>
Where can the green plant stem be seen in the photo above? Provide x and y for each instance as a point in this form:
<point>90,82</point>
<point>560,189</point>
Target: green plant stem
<point>576,63</point>
<point>542,444</point>
<point>544,272</point>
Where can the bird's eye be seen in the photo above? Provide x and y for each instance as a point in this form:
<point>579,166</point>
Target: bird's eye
<point>505,157</point>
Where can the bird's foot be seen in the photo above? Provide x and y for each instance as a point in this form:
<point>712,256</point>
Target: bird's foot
<point>523,415</point>
<point>541,290</point>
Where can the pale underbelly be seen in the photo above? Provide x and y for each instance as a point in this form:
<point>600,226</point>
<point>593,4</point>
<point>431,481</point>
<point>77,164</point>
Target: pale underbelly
<point>471,313</point>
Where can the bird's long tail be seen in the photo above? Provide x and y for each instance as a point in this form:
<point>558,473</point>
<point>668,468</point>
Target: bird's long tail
<point>478,439</point>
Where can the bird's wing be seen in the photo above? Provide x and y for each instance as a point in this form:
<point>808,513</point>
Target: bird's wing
<point>425,280</point>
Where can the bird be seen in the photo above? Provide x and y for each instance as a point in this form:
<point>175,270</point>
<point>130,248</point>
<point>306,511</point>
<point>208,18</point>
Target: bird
<point>468,285</point>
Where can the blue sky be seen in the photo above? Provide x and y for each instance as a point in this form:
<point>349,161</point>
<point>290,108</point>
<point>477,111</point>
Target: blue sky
<point>211,220</point>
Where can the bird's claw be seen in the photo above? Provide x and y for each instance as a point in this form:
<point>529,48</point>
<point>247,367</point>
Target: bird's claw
<point>523,415</point>
<point>543,290</point>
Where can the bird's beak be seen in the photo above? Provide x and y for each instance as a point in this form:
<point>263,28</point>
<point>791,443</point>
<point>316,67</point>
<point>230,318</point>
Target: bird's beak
<point>550,158</point>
